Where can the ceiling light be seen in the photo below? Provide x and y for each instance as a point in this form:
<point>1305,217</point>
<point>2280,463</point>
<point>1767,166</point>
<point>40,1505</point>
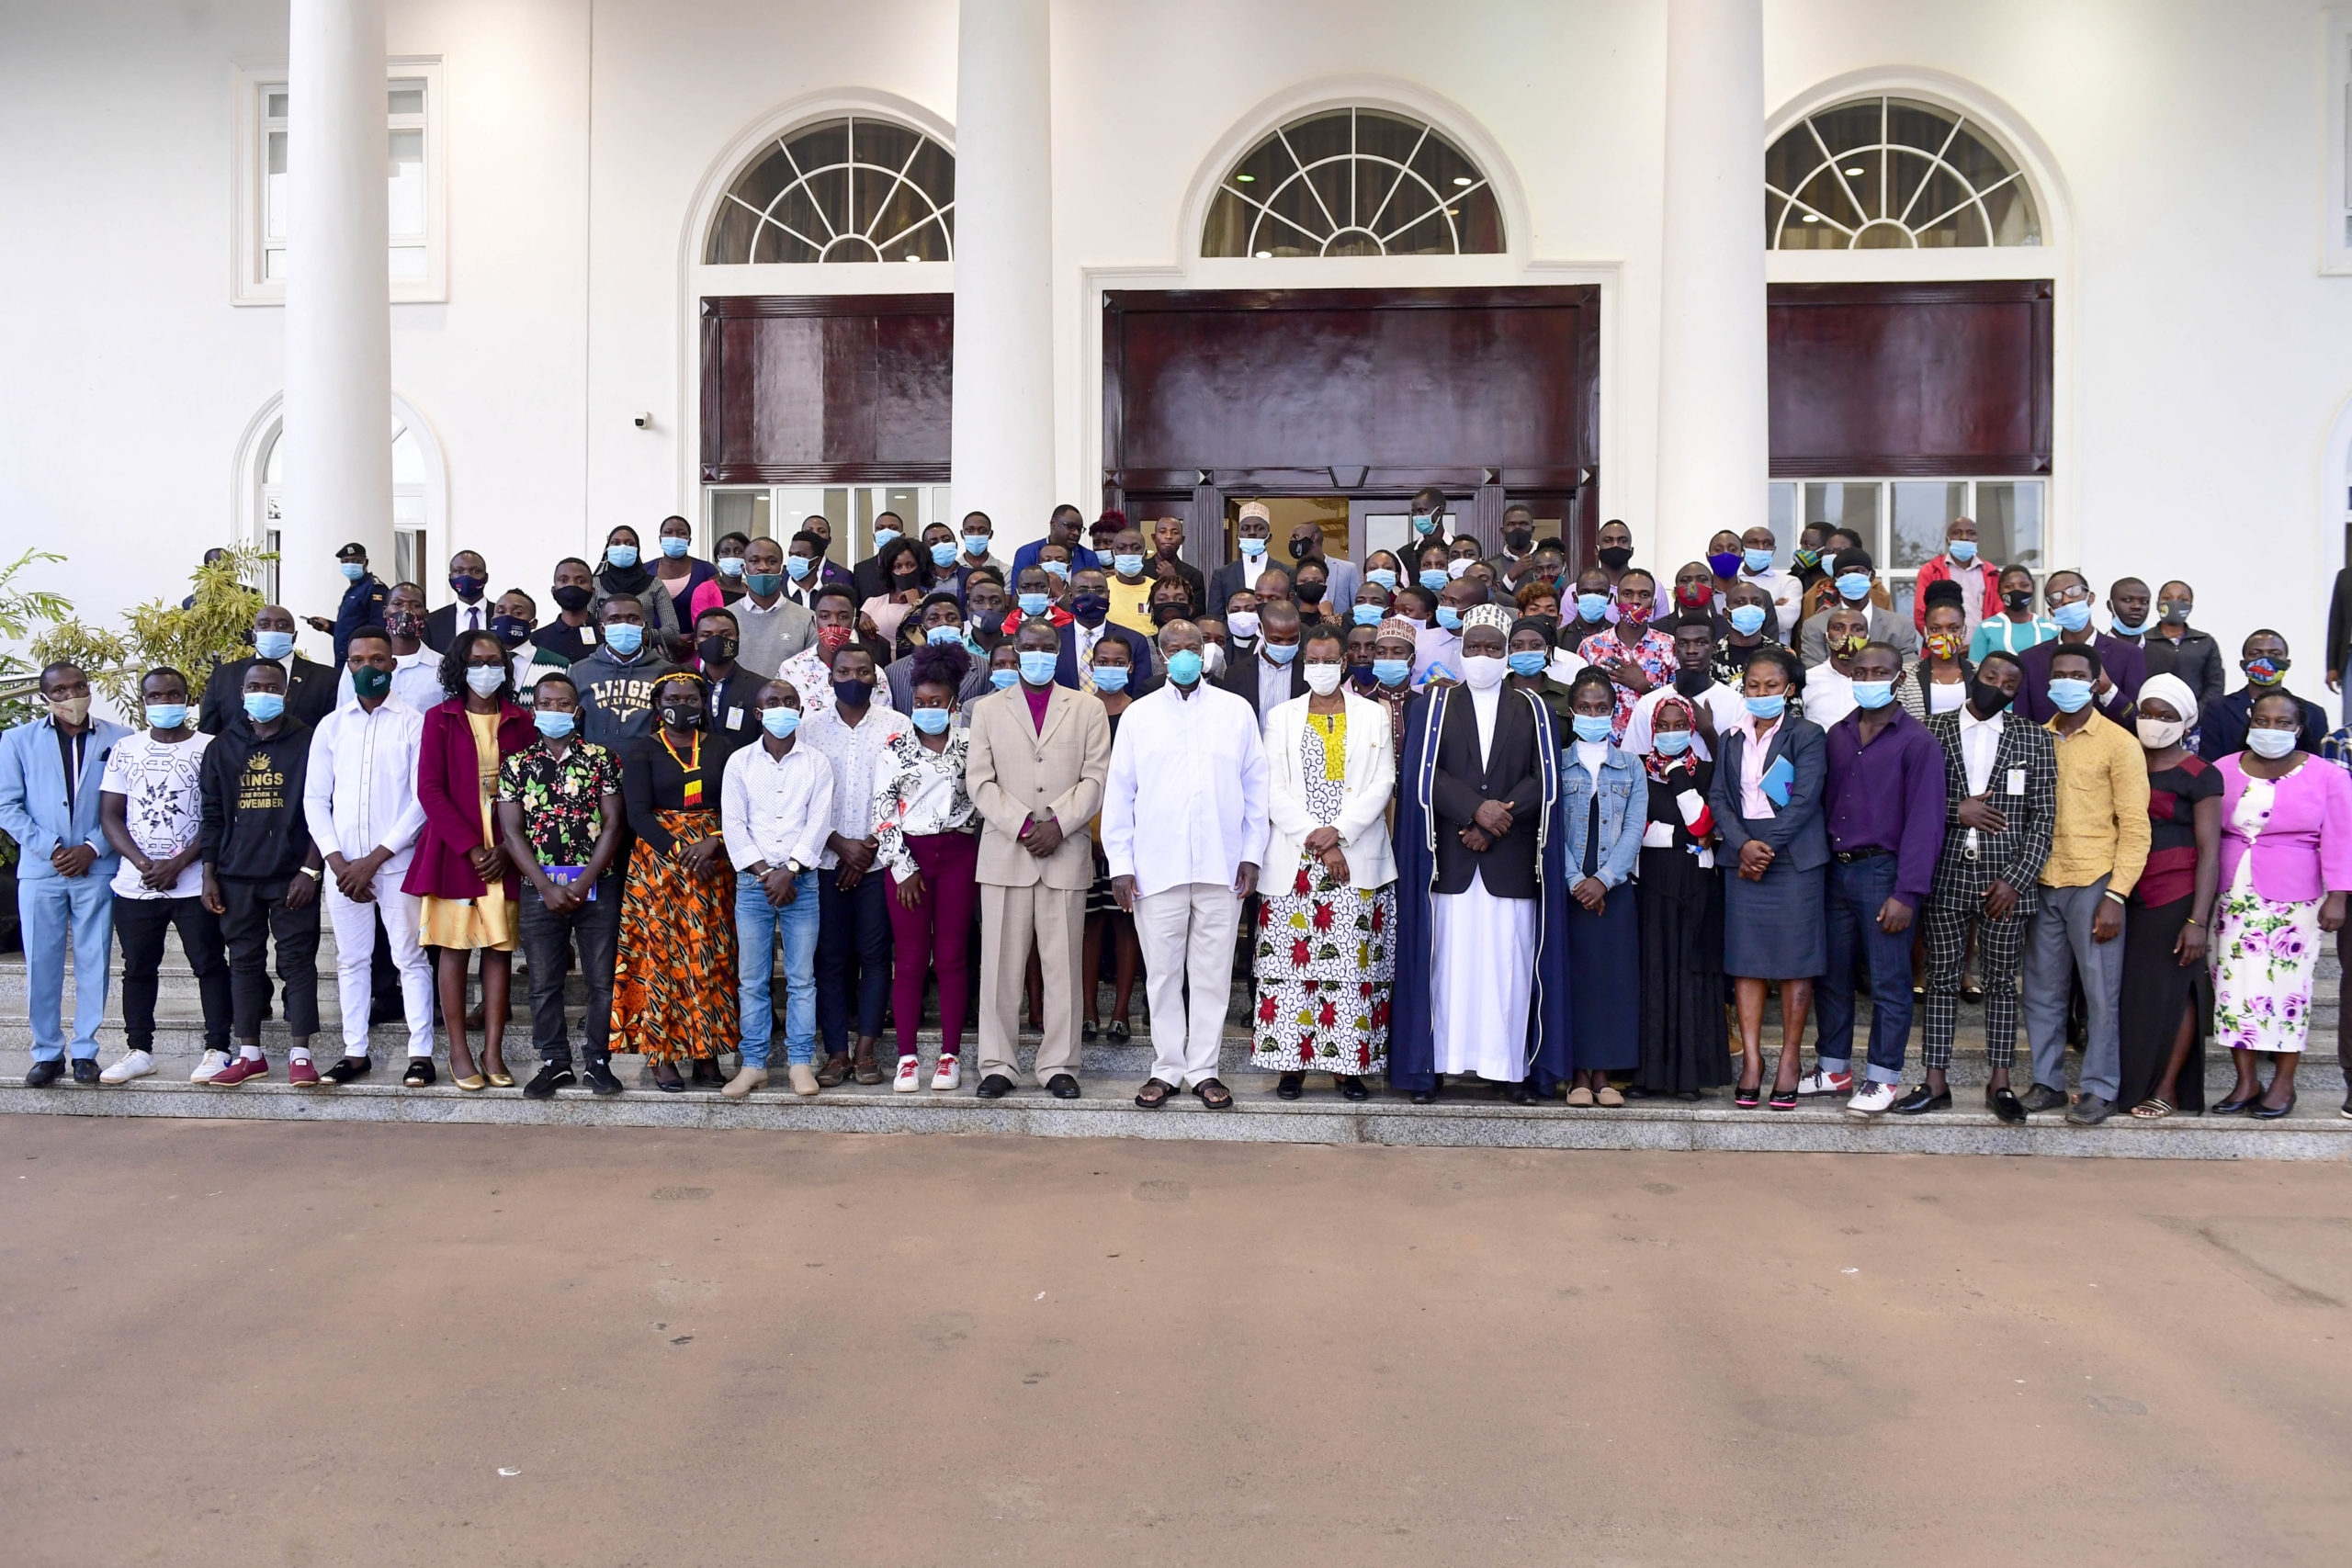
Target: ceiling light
<point>911,256</point>
<point>1853,174</point>
<point>1265,256</point>
<point>1462,179</point>
<point>1813,217</point>
<point>1246,180</point>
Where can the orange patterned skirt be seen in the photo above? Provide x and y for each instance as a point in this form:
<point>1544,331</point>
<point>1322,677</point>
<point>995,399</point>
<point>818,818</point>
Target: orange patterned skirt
<point>674,983</point>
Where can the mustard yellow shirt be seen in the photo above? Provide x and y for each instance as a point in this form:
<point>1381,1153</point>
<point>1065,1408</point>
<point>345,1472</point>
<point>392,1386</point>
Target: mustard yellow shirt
<point>2101,829</point>
<point>1131,605</point>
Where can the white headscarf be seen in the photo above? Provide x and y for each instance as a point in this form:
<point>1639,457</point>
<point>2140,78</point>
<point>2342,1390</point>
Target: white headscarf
<point>2174,692</point>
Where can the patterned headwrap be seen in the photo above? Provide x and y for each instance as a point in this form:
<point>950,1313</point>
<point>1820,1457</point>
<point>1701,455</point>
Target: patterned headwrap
<point>1659,766</point>
<point>1493,616</point>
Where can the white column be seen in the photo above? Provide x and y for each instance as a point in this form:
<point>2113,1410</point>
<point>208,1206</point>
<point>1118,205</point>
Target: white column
<point>338,316</point>
<point>1713,456</point>
<point>1004,397</point>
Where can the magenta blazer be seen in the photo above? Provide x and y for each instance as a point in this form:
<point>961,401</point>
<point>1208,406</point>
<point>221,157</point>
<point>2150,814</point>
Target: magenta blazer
<point>2305,849</point>
<point>449,787</point>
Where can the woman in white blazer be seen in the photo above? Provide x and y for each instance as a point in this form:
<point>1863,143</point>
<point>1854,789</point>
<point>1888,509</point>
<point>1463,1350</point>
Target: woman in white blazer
<point>1326,949</point>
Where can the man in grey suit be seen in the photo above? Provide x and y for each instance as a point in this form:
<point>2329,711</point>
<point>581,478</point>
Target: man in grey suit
<point>1856,577</point>
<point>1039,753</point>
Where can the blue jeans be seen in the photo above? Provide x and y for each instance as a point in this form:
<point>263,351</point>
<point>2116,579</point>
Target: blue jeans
<point>1857,889</point>
<point>758,923</point>
<point>51,908</point>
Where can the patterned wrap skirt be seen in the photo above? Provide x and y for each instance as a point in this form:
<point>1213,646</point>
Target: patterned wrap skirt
<point>1326,957</point>
<point>674,983</point>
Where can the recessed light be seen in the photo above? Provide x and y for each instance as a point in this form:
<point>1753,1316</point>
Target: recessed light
<point>1813,217</point>
<point>911,256</point>
<point>1853,174</point>
<point>1246,180</point>
<point>1462,179</point>
<point>1265,256</point>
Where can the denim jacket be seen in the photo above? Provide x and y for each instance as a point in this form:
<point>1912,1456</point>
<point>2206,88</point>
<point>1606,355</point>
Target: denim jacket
<point>1624,812</point>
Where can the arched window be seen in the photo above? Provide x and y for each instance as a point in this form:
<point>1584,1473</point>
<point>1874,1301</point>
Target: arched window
<point>1885,172</point>
<point>409,481</point>
<point>1354,182</point>
<point>852,189</point>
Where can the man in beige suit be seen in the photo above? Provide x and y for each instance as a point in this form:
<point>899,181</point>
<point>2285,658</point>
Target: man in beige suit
<point>1039,752</point>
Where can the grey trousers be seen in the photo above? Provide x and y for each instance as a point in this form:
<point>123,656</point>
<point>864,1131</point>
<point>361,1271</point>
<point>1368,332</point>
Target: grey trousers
<point>2057,945</point>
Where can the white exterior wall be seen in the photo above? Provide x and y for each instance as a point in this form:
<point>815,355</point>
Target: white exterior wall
<point>2203,361</point>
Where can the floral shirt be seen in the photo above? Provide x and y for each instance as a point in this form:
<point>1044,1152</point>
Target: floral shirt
<point>1653,653</point>
<point>919,791</point>
<point>560,797</point>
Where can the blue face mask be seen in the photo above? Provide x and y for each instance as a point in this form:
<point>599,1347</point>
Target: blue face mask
<point>1590,607</point>
<point>1370,615</point>
<point>354,571</point>
<point>1001,679</point>
<point>940,636</point>
<point>1961,550</point>
<point>1873,694</point>
<point>1527,661</point>
<point>2072,617</point>
<point>1128,566</point>
<point>1592,726</point>
<point>1670,742</point>
<point>1185,667</point>
<point>1435,578</point>
<point>1383,576</point>
<point>673,546</point>
<point>1280,653</point>
<point>2069,695</point>
<point>624,638</point>
<point>1111,677</point>
<point>1252,548</point>
<point>883,536</point>
<point>798,566</point>
<point>731,565</point>
<point>263,706</point>
<point>1057,569</point>
<point>1391,671</point>
<point>1033,603</point>
<point>1757,560</point>
<point>943,554</point>
<point>554,726</point>
<point>780,722</point>
<point>767,585</point>
<point>273,645</point>
<point>1748,620</point>
<point>1853,586</point>
<point>166,715</point>
<point>1449,617</point>
<point>1037,667</point>
<point>1425,524</point>
<point>930,721</point>
<point>1766,707</point>
<point>622,556</point>
<point>1724,563</point>
<point>2121,629</point>
<point>976,545</point>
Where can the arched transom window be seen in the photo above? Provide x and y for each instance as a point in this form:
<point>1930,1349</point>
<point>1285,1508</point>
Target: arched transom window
<point>1354,182</point>
<point>1892,174</point>
<point>852,189</point>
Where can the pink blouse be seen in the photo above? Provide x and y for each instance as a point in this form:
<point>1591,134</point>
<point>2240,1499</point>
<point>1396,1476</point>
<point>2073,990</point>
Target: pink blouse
<point>2304,850</point>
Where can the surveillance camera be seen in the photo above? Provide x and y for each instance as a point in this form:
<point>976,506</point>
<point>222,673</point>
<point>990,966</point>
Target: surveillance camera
<point>642,421</point>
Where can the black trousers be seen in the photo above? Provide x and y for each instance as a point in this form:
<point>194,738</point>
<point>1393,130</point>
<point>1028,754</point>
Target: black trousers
<point>854,941</point>
<point>545,939</point>
<point>256,917</point>
<point>138,927</point>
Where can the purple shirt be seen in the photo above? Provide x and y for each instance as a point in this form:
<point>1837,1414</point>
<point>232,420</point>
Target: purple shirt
<point>1888,795</point>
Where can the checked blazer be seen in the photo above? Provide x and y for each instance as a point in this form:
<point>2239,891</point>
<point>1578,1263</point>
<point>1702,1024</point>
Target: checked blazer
<point>2015,855</point>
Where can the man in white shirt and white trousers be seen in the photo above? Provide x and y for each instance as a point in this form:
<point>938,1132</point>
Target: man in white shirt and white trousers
<point>1188,769</point>
<point>360,802</point>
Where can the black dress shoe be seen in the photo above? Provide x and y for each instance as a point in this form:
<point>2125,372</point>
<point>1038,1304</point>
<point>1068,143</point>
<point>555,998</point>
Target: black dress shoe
<point>2260,1112</point>
<point>2042,1097</point>
<point>85,1069</point>
<point>1423,1097</point>
<point>601,1080</point>
<point>1519,1093</point>
<point>2346,1112</point>
<point>996,1085</point>
<point>1290,1086</point>
<point>1117,1033</point>
<point>1922,1100</point>
<point>706,1074</point>
<point>348,1069</point>
<point>1089,1030</point>
<point>420,1073</point>
<point>2238,1106</point>
<point>43,1074</point>
<point>1353,1088</point>
<point>1062,1086</point>
<point>2005,1105</point>
<point>550,1078</point>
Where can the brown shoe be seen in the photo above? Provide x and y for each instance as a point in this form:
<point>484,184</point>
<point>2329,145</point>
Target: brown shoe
<point>834,1072</point>
<point>867,1071</point>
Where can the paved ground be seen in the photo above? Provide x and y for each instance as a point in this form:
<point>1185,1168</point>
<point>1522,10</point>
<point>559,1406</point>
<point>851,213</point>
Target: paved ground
<point>266,1344</point>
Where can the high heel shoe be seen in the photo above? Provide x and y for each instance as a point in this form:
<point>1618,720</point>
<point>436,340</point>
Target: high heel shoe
<point>2239,1105</point>
<point>2272,1114</point>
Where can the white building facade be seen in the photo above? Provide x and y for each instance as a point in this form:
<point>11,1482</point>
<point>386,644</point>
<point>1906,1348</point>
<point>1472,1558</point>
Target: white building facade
<point>2152,194</point>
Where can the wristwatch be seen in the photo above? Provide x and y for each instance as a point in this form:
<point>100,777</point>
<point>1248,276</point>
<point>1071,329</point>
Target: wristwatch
<point>2119,898</point>
<point>311,872</point>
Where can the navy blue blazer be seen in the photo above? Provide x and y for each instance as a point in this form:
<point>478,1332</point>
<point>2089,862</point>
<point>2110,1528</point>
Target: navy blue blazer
<point>1797,831</point>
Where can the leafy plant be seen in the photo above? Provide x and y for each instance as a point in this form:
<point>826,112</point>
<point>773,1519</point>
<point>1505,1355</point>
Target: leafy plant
<point>209,630</point>
<point>21,609</point>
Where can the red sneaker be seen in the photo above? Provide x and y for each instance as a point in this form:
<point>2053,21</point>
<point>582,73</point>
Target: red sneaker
<point>241,1069</point>
<point>301,1075</point>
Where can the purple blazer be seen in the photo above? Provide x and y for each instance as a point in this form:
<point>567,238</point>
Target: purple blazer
<point>448,785</point>
<point>2305,849</point>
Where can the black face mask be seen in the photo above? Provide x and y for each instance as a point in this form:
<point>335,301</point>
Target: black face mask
<point>573,599</point>
<point>717,650</point>
<point>1310,592</point>
<point>1090,609</point>
<point>1617,557</point>
<point>676,715</point>
<point>2018,599</point>
<point>1164,611</point>
<point>1986,700</point>
<point>1517,541</point>
<point>1691,683</point>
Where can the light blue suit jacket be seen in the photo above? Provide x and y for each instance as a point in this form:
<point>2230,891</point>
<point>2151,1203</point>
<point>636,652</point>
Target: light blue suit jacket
<point>32,797</point>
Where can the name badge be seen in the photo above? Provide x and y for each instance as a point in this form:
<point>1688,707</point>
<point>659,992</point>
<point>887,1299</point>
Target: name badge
<point>2017,780</point>
<point>734,718</point>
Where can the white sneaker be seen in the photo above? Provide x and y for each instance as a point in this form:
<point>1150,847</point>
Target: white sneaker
<point>950,1074</point>
<point>1819,1083</point>
<point>134,1065</point>
<point>208,1069</point>
<point>1873,1099</point>
<point>910,1075</point>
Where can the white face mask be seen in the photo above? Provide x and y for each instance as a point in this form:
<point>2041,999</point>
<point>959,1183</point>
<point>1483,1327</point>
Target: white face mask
<point>1323,679</point>
<point>1213,661</point>
<point>2156,734</point>
<point>2271,744</point>
<point>1457,567</point>
<point>1484,672</point>
<point>1242,624</point>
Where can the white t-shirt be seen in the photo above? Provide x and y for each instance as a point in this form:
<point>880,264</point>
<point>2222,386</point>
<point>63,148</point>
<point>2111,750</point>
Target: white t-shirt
<point>162,807</point>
